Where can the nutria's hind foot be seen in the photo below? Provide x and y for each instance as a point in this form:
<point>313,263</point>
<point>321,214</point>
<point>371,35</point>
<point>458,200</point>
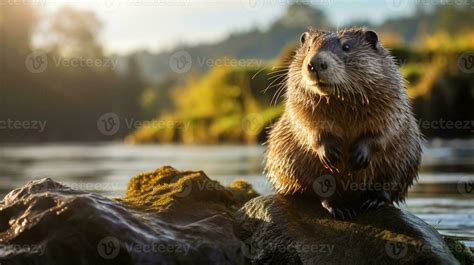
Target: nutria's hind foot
<point>375,200</point>
<point>339,211</point>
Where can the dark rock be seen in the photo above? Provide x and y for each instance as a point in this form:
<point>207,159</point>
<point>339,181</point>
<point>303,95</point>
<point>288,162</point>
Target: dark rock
<point>462,253</point>
<point>294,230</point>
<point>166,217</point>
<point>173,217</point>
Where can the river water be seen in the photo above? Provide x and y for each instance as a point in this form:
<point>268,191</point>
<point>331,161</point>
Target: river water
<point>443,197</point>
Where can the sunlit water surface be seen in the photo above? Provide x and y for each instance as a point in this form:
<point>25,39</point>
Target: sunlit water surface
<point>444,196</point>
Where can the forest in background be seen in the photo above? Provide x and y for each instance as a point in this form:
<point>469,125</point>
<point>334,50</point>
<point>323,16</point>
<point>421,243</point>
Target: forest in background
<point>218,101</point>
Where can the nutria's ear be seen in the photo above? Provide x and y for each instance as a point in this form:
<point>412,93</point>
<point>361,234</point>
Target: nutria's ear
<point>303,37</point>
<point>372,39</point>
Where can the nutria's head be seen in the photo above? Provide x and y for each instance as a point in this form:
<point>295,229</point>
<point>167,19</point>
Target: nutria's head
<point>347,63</point>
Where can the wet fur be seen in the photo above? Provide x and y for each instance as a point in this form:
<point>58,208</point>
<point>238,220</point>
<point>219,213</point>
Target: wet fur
<point>369,101</point>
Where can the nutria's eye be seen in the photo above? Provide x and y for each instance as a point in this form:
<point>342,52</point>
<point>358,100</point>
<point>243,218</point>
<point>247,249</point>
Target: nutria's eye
<point>346,47</point>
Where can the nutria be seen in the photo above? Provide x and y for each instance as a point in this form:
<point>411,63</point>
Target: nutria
<point>347,123</point>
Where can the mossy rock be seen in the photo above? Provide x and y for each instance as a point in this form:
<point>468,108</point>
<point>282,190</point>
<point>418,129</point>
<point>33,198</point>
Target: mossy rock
<point>462,253</point>
<point>296,230</point>
<point>167,187</point>
<point>203,222</point>
<point>165,217</point>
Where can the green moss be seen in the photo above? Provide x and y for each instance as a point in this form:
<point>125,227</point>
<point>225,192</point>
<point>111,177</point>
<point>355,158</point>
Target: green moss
<point>462,253</point>
<point>166,186</point>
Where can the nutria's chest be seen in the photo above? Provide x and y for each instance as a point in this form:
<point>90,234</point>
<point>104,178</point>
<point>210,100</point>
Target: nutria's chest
<point>344,120</point>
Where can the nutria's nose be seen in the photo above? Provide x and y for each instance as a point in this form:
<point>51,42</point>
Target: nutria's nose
<point>317,64</point>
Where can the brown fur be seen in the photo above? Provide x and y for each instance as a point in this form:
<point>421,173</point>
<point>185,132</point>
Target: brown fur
<point>367,97</point>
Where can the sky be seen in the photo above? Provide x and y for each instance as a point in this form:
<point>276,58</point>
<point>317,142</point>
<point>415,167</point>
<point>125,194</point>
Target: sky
<point>161,24</point>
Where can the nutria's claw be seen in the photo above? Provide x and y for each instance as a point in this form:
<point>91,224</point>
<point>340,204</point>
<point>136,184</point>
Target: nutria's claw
<point>360,157</point>
<point>375,203</point>
<point>339,212</point>
<point>343,213</point>
<point>372,205</point>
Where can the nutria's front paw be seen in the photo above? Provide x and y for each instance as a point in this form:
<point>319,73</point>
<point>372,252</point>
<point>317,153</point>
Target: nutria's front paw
<point>339,211</point>
<point>360,156</point>
<point>330,156</point>
<point>375,201</point>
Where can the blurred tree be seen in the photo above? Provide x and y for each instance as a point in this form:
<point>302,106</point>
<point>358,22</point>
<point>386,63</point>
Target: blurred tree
<point>73,32</point>
<point>17,23</point>
<point>131,89</point>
